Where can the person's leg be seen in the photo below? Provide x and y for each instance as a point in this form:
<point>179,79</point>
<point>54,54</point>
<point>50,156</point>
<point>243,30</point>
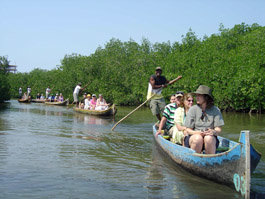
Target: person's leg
<point>154,109</point>
<point>196,142</point>
<point>210,144</point>
<point>76,100</point>
<point>161,105</point>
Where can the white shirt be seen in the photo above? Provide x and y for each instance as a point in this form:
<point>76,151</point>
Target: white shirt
<point>77,88</point>
<point>48,90</point>
<point>29,90</point>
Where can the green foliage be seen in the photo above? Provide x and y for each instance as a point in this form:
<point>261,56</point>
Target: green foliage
<point>231,62</point>
<point>4,85</point>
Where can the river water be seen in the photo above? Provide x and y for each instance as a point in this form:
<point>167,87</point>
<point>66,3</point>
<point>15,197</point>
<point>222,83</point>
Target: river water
<point>54,152</point>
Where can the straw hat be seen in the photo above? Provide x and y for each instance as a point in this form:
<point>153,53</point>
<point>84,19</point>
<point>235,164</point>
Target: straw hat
<point>204,90</point>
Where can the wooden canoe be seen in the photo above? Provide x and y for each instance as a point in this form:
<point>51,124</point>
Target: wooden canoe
<point>39,100</point>
<point>110,111</point>
<point>63,103</point>
<point>24,100</point>
<point>231,167</point>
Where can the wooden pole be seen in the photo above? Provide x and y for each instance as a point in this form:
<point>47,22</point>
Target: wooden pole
<point>131,112</point>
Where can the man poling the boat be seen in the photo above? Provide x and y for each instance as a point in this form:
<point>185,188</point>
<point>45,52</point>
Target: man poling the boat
<point>151,93</point>
<point>156,84</point>
<point>76,93</point>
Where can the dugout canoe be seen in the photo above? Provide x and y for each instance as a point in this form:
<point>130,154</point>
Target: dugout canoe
<point>63,103</point>
<point>232,165</point>
<point>24,100</point>
<point>39,100</point>
<point>110,111</point>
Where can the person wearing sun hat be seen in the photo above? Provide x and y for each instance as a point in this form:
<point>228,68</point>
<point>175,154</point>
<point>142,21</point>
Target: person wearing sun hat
<point>204,122</point>
<point>87,101</point>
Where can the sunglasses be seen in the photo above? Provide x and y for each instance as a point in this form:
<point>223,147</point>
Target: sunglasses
<point>190,100</point>
<point>204,115</point>
<point>179,92</point>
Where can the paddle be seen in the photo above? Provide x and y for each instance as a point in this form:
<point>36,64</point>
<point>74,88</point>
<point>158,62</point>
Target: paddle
<point>171,82</point>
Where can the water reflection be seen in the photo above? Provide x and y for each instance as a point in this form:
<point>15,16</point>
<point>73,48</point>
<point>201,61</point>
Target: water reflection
<point>91,119</point>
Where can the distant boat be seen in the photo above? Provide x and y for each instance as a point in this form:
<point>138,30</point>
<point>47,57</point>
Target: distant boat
<point>63,103</point>
<point>110,111</point>
<point>24,100</point>
<point>39,100</point>
<point>231,165</point>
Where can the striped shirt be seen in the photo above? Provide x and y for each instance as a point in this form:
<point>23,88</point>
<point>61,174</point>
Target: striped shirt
<point>169,113</point>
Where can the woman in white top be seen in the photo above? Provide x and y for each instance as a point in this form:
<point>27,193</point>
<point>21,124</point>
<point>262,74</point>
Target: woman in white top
<point>87,102</point>
<point>101,104</point>
<point>179,119</point>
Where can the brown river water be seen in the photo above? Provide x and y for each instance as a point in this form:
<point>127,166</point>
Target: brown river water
<point>54,152</point>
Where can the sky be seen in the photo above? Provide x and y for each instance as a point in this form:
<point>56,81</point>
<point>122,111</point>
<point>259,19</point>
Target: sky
<point>39,33</point>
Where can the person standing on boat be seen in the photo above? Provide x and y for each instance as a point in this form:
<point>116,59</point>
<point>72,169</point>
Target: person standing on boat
<point>204,123</point>
<point>156,83</point>
<point>20,92</point>
<point>28,92</point>
<point>48,91</point>
<point>167,120</point>
<point>76,92</point>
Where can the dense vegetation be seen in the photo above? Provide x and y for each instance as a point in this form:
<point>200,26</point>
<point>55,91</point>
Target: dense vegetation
<point>232,62</point>
<point>4,84</point>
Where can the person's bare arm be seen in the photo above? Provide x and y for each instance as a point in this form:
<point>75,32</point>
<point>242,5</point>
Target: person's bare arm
<point>162,123</point>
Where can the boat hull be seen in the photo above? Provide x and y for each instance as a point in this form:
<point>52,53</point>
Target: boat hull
<point>64,103</point>
<point>38,101</point>
<point>229,167</point>
<point>110,111</point>
<point>23,100</point>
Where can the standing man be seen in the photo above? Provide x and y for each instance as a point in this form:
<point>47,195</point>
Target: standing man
<point>48,91</point>
<point>28,92</point>
<point>76,92</point>
<point>20,92</point>
<point>156,83</point>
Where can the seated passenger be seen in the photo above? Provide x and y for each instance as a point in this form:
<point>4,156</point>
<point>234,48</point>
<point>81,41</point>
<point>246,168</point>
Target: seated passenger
<point>87,102</point>
<point>25,96</point>
<point>101,104</point>
<point>51,98</point>
<point>203,122</point>
<point>179,129</point>
<point>93,102</point>
<point>38,96</point>
<point>167,120</point>
<point>81,105</point>
<point>56,98</point>
<point>42,97</point>
<point>60,98</point>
